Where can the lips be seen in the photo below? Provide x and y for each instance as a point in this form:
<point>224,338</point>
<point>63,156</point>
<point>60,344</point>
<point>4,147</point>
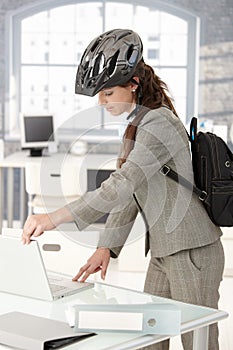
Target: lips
<point>109,109</point>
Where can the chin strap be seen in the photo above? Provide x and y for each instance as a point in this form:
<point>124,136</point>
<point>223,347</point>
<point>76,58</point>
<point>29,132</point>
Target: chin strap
<point>139,100</point>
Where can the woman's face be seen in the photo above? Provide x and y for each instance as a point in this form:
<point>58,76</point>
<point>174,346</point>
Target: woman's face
<point>118,99</point>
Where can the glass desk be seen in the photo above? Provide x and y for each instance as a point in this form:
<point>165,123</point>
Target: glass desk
<point>193,317</point>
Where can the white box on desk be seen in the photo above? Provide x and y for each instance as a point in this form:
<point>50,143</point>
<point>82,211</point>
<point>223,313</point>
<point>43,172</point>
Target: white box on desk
<point>148,318</point>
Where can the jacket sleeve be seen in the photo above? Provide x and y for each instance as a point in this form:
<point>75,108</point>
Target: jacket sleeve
<point>117,228</point>
<point>157,140</point>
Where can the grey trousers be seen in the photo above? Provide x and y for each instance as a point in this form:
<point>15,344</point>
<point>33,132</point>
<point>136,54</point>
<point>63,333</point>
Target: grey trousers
<point>191,276</point>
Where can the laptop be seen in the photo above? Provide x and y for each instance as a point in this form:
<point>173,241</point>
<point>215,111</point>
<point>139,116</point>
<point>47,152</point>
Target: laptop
<point>22,272</point>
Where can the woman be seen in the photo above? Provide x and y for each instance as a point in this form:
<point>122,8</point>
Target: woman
<point>186,253</point>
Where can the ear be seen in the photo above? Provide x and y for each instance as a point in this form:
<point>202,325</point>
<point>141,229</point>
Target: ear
<point>134,82</point>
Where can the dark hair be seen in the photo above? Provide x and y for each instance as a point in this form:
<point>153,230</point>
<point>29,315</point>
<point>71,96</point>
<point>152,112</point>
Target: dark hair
<point>154,92</point>
<point>151,94</point>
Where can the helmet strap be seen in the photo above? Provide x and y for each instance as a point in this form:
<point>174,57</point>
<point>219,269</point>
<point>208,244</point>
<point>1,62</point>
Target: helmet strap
<point>139,94</point>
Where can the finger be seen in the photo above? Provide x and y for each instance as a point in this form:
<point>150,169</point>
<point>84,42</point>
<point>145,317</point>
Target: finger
<point>28,230</point>
<point>38,231</point>
<point>26,237</point>
<point>81,272</point>
<point>88,273</point>
<point>104,269</point>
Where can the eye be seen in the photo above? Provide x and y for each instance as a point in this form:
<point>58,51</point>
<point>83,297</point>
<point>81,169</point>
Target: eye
<point>108,93</point>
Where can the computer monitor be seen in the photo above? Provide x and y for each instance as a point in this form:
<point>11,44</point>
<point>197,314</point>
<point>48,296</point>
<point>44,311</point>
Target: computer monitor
<point>36,133</point>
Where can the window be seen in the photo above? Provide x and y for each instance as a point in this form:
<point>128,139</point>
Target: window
<point>152,53</point>
<point>48,41</point>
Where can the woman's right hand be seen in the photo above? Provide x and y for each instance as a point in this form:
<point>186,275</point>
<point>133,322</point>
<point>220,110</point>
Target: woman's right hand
<point>35,225</point>
<point>97,262</point>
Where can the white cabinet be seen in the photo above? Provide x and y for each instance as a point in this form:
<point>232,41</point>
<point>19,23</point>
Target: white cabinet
<point>132,257</point>
<point>227,241</point>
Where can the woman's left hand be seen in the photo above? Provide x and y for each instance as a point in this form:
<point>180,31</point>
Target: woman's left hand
<point>98,261</point>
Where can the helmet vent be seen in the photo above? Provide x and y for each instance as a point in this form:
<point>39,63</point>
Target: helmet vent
<point>99,64</point>
<point>132,55</point>
<point>94,46</point>
<point>113,62</point>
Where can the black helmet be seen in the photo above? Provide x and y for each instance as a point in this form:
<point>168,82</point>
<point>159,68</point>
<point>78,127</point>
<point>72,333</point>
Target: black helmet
<point>109,60</point>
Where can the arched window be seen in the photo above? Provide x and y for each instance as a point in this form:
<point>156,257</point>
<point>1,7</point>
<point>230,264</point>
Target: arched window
<point>47,41</point>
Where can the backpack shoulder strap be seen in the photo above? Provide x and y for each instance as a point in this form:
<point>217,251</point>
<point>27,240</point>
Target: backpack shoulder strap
<point>167,171</point>
<point>193,129</point>
<point>193,134</point>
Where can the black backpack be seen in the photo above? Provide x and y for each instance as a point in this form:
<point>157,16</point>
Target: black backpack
<point>213,174</point>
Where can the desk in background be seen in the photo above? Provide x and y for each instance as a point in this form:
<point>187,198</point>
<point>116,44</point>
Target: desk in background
<point>15,160</point>
<point>193,317</point>
<point>20,159</point>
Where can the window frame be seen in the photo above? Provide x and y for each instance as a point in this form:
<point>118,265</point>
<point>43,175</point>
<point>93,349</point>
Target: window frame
<point>13,45</point>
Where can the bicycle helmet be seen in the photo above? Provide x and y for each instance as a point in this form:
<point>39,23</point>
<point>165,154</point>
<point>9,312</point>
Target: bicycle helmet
<point>109,60</point>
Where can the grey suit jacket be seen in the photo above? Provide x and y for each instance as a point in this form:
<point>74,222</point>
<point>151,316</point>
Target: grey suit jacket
<point>176,218</point>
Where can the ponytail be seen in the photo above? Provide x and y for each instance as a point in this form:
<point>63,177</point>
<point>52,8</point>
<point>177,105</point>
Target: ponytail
<point>153,91</point>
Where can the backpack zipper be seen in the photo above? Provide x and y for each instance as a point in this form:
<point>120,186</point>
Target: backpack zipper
<point>213,150</point>
<point>204,173</point>
<point>226,190</point>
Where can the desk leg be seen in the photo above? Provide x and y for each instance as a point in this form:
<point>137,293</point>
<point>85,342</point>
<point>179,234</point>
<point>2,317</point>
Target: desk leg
<point>10,196</point>
<point>200,338</point>
<point>23,198</point>
<point>1,198</point>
